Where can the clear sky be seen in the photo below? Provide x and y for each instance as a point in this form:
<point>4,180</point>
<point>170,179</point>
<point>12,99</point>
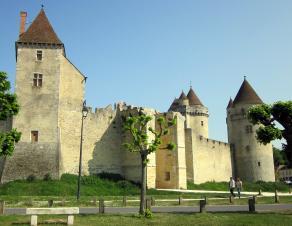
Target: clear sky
<point>144,52</point>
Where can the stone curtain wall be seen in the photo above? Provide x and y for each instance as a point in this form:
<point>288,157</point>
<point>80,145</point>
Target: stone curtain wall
<point>31,159</point>
<point>131,162</point>
<point>102,142</point>
<point>211,160</point>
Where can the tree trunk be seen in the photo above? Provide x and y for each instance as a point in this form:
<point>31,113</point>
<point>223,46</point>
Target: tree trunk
<point>143,184</point>
<point>288,147</point>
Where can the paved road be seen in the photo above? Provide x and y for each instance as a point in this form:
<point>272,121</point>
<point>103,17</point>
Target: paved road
<point>172,209</point>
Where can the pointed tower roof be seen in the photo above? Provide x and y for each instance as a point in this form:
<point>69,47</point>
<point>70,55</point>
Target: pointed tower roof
<point>174,104</point>
<point>247,95</point>
<point>193,98</point>
<point>182,95</point>
<point>40,31</point>
<point>230,103</point>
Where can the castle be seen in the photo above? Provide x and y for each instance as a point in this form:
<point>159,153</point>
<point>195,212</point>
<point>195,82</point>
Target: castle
<point>50,92</point>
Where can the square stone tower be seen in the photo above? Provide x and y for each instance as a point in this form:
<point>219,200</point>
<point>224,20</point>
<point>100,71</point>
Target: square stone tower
<point>44,82</point>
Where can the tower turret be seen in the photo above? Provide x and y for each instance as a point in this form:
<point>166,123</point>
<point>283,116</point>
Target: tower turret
<point>252,161</point>
<point>195,112</point>
<point>183,100</point>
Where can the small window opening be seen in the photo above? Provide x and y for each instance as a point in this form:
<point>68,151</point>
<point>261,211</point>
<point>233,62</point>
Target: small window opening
<point>34,136</point>
<point>167,176</point>
<point>248,129</point>
<point>39,55</point>
<point>202,123</point>
<point>259,163</point>
<point>37,80</point>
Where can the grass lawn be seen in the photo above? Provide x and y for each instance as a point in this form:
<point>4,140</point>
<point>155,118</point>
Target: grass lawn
<point>247,186</point>
<point>112,188</point>
<point>161,219</point>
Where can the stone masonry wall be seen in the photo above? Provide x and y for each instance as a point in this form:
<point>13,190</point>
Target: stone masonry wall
<point>171,165</point>
<point>71,91</point>
<point>211,160</point>
<point>131,162</point>
<point>38,112</point>
<point>253,160</point>
<point>31,159</point>
<point>102,142</point>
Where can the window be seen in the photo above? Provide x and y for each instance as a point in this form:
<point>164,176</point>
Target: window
<point>247,148</point>
<point>39,55</point>
<point>37,80</point>
<point>202,123</point>
<point>259,163</point>
<point>167,176</point>
<point>34,136</point>
<point>248,129</point>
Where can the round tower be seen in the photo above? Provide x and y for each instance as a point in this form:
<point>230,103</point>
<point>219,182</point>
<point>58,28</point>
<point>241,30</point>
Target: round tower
<point>252,161</point>
<point>195,112</point>
<point>197,115</point>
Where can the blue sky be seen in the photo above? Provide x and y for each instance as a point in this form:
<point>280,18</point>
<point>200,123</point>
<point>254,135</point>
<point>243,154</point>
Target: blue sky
<point>145,52</point>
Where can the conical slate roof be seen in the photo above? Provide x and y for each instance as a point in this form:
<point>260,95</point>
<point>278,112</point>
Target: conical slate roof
<point>173,105</point>
<point>247,95</point>
<point>230,103</point>
<point>40,31</point>
<point>182,96</point>
<point>193,99</point>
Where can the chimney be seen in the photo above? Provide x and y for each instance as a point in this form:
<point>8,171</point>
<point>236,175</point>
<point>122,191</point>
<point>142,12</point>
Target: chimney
<point>22,22</point>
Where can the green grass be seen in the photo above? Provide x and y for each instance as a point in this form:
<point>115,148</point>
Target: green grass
<point>229,219</point>
<point>247,186</point>
<point>66,186</point>
<point>116,201</point>
<point>22,193</point>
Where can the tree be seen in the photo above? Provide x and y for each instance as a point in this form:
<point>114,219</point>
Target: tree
<point>279,157</point>
<point>267,116</point>
<point>8,108</point>
<point>140,143</point>
<point>280,161</point>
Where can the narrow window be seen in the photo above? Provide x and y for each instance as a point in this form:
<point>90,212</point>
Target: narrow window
<point>202,123</point>
<point>39,55</point>
<point>167,176</point>
<point>34,136</point>
<point>37,80</point>
<point>248,129</point>
<point>259,163</point>
<point>247,148</point>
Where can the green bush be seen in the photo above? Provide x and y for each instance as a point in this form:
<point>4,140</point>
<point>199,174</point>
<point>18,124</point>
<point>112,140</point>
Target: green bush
<point>47,177</point>
<point>148,214</point>
<point>110,176</point>
<point>31,178</point>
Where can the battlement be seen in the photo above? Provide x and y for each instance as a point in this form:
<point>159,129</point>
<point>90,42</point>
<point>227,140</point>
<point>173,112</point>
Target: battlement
<point>212,142</point>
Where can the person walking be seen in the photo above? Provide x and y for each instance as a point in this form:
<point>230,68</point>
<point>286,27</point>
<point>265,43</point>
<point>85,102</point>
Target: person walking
<point>232,186</point>
<point>238,186</point>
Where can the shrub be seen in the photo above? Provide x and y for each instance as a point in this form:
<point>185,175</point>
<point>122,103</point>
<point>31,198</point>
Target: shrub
<point>31,178</point>
<point>110,176</point>
<point>47,177</point>
<point>148,214</point>
<point>124,184</point>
